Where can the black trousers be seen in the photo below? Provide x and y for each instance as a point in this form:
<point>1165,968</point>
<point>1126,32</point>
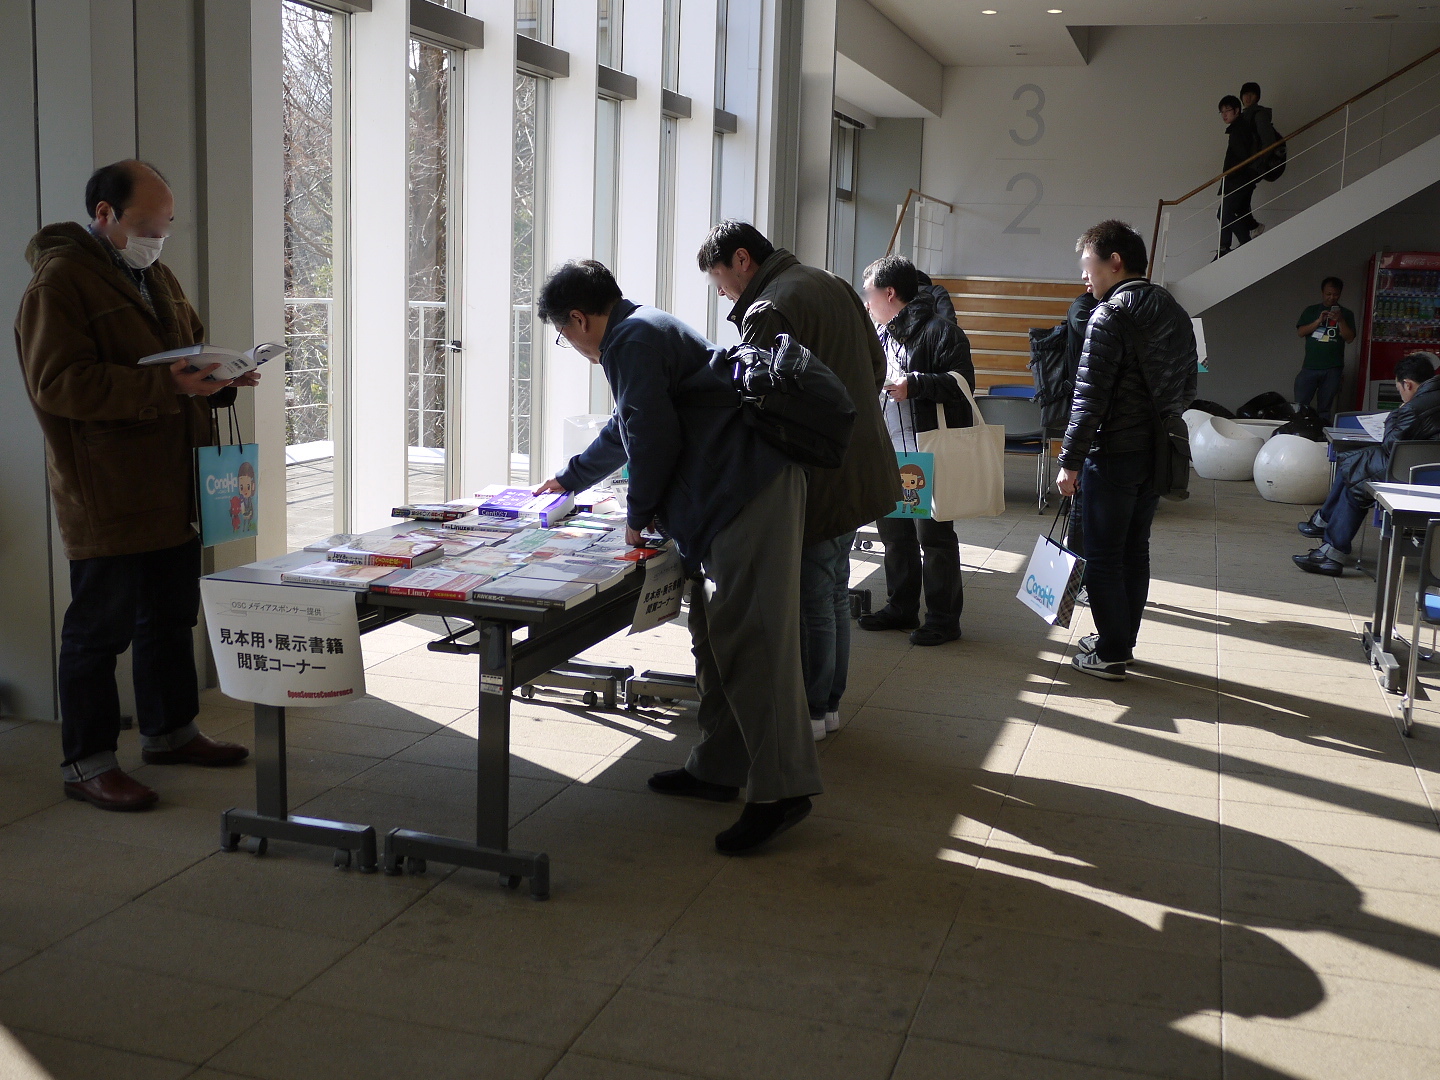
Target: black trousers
<point>1235,218</point>
<point>150,600</point>
<point>923,553</point>
<point>1119,509</point>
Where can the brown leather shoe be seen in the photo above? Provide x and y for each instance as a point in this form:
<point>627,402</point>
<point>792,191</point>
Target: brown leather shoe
<point>112,790</point>
<point>201,750</point>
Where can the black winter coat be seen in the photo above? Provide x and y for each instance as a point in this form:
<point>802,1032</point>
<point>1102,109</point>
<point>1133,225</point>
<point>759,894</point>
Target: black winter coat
<point>691,468</point>
<point>934,347</point>
<point>1139,356</point>
<point>943,304</point>
<point>1417,419</point>
<point>1243,142</point>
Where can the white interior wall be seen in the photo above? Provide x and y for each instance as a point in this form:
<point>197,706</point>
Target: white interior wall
<point>1138,124</point>
<point>27,637</point>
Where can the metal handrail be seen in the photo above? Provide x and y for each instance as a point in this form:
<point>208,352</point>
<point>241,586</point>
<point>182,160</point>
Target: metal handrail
<point>1160,207</point>
<point>905,208</point>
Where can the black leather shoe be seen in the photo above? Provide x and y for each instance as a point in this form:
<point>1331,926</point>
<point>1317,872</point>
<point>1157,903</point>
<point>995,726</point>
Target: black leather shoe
<point>934,635</point>
<point>201,750</point>
<point>885,619</point>
<point>1316,562</point>
<point>761,822</point>
<point>1309,527</point>
<point>680,782</point>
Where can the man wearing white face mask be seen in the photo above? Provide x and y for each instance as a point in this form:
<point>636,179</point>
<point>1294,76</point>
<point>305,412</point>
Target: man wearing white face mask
<point>119,441</point>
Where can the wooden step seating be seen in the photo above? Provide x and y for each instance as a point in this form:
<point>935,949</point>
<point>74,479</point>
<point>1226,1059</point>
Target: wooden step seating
<point>997,315</point>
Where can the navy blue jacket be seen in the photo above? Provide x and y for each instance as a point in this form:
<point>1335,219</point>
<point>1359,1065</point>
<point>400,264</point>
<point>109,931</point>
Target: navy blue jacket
<point>691,468</point>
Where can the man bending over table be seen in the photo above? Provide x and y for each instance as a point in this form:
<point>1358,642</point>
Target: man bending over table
<point>1337,522</point>
<point>735,508</point>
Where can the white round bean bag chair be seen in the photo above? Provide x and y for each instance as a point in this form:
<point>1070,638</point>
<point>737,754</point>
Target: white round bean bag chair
<point>1194,418</point>
<point>1292,469</point>
<point>1224,450</point>
<point>1263,428</point>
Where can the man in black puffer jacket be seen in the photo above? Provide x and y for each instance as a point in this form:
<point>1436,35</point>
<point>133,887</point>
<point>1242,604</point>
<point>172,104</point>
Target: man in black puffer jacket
<point>1340,518</point>
<point>925,353</point>
<point>1138,363</point>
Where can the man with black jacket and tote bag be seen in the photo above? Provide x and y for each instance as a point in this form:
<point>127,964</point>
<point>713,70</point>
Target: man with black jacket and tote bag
<point>926,354</point>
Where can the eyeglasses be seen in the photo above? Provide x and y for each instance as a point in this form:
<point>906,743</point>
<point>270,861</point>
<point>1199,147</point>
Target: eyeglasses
<point>562,342</point>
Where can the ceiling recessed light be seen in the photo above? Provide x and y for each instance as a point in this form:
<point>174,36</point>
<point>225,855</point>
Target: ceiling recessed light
<point>989,11</point>
<point>1055,11</point>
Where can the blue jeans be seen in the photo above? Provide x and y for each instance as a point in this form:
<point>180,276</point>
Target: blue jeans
<point>1343,517</point>
<point>1322,384</point>
<point>825,622</point>
<point>151,601</point>
<point>1119,507</point>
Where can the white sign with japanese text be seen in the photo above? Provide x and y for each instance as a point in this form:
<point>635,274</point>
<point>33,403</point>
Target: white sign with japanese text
<point>660,596</point>
<point>284,644</point>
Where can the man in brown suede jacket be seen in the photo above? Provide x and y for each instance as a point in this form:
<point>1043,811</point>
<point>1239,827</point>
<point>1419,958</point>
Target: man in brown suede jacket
<point>119,441</point>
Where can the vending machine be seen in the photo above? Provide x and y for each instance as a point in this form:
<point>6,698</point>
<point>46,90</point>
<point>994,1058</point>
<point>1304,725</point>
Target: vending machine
<point>1402,315</point>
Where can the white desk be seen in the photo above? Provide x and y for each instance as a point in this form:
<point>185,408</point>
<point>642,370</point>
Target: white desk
<point>1403,507</point>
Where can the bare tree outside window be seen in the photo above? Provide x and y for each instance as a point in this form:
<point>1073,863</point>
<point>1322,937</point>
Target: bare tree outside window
<point>310,61</point>
<point>526,252</point>
<point>428,353</point>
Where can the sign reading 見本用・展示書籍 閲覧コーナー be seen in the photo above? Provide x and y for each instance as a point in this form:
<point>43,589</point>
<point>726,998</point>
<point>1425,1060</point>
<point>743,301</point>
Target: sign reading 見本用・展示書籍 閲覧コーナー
<point>284,644</point>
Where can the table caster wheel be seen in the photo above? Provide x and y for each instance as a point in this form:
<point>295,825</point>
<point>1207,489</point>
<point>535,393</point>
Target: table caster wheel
<point>230,841</point>
<point>342,858</point>
<point>414,865</point>
<point>510,881</point>
<point>591,699</point>
<point>527,692</point>
<point>257,845</point>
<point>645,701</point>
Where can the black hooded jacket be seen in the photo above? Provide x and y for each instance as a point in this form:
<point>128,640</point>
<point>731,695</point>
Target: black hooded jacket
<point>934,347</point>
<point>1139,358</point>
<point>1418,419</point>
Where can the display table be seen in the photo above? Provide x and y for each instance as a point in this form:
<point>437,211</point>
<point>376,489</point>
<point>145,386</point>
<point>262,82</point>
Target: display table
<point>515,643</point>
<point>1402,507</point>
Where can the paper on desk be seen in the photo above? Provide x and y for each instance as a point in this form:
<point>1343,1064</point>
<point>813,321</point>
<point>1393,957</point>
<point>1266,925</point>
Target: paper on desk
<point>1374,425</point>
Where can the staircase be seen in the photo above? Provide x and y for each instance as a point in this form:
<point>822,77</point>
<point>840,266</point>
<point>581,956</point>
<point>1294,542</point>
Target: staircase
<point>997,315</point>
<point>1349,164</point>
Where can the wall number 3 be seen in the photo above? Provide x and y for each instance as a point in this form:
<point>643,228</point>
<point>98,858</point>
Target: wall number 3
<point>1033,114</point>
<point>1015,226</point>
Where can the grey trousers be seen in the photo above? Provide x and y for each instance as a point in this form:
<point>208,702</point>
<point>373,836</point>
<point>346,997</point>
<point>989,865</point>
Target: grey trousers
<point>745,629</point>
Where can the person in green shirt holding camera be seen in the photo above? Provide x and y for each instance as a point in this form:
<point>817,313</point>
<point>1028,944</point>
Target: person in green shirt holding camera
<point>1327,328</point>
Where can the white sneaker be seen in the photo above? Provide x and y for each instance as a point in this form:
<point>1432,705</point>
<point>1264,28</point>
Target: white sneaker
<point>817,728</point>
<point>832,721</point>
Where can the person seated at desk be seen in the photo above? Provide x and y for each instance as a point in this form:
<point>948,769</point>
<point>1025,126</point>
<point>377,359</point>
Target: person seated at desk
<point>734,506</point>
<point>1337,522</point>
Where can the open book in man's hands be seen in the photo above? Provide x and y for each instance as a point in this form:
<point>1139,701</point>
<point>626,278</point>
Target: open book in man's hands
<point>232,364</point>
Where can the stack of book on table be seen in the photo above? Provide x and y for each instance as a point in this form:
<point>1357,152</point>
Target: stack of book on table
<point>472,550</point>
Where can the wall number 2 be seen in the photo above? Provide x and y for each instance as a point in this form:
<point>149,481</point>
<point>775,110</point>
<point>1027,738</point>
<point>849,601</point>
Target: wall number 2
<point>1032,113</point>
<point>1015,226</point>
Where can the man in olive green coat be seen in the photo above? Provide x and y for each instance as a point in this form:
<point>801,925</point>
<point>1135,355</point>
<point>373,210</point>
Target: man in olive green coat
<point>774,293</point>
<point>119,442</point>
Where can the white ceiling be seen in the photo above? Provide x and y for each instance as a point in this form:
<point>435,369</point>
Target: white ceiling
<point>1023,34</point>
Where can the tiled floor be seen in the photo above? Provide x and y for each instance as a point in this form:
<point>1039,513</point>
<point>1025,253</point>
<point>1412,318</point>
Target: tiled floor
<point>1228,866</point>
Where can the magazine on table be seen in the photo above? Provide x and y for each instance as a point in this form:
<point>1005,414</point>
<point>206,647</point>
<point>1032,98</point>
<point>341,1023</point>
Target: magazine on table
<point>336,575</point>
<point>388,551</point>
<point>539,592</point>
<point>432,582</point>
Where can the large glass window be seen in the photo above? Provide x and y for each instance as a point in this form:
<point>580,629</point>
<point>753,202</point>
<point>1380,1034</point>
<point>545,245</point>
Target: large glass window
<point>607,216</point>
<point>534,18</point>
<point>610,32</point>
<point>842,207</point>
<point>312,71</point>
<point>428,349</point>
<point>527,258</point>
<point>670,48</point>
<point>665,249</point>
